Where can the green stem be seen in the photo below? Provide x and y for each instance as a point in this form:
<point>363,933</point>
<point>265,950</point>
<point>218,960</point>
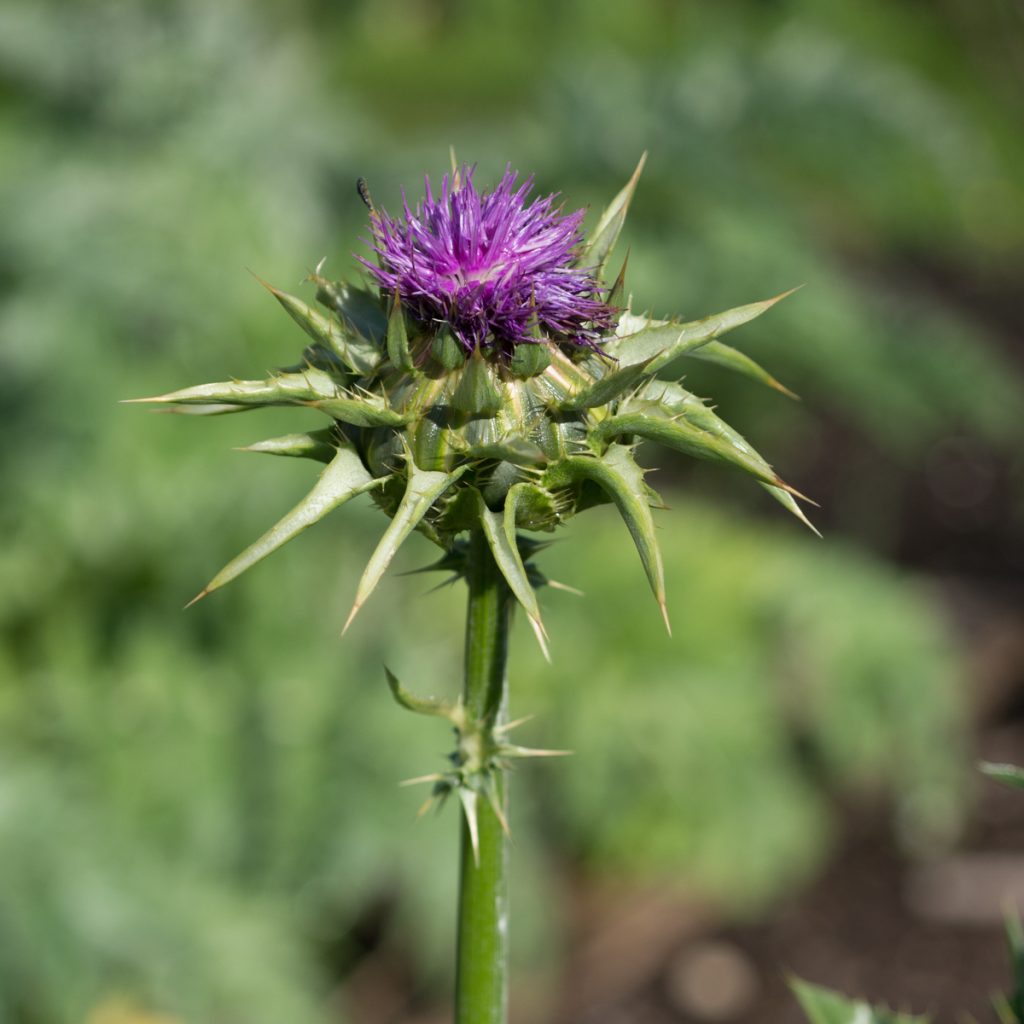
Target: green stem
<point>481,980</point>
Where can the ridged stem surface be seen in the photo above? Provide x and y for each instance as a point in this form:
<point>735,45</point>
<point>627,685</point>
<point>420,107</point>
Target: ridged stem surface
<point>481,985</point>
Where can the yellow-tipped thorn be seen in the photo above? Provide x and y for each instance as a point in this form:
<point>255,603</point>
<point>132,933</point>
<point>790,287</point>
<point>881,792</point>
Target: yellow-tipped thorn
<point>664,614</point>
<point>639,169</point>
<point>266,284</point>
<point>783,295</point>
<point>202,593</point>
<point>779,386</point>
<point>420,779</point>
<point>351,615</point>
<point>779,482</point>
<point>555,585</point>
<point>810,526</point>
<point>513,750</point>
<point>499,813</point>
<point>502,730</point>
<point>468,800</point>
<point>542,637</point>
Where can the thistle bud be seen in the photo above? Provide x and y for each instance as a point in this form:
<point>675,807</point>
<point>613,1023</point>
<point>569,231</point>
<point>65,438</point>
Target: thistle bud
<point>489,381</point>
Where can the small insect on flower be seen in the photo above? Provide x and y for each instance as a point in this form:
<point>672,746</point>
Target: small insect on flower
<point>489,381</point>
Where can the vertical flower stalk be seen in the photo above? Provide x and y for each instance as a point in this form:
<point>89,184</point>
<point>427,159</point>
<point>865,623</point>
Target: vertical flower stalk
<point>488,385</point>
<point>481,978</point>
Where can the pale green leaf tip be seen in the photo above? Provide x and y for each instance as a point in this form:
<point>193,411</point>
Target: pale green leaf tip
<point>424,705</point>
<point>1009,774</point>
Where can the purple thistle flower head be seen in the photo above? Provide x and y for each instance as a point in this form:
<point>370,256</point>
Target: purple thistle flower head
<point>493,266</point>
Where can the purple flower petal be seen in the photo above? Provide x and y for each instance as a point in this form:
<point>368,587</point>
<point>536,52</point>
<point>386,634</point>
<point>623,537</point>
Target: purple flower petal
<point>490,265</point>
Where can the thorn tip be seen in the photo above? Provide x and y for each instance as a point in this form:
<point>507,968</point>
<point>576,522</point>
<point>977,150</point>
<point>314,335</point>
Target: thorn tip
<point>542,637</point>
<point>351,615</point>
<point>664,615</point>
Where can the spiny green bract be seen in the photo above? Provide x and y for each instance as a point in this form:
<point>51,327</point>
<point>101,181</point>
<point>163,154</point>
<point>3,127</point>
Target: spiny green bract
<point>503,441</point>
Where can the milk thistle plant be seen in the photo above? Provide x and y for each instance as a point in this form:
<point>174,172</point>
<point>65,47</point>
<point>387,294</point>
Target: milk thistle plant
<point>485,381</point>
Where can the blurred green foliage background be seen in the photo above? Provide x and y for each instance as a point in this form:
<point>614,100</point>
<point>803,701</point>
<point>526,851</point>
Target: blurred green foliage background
<point>198,810</point>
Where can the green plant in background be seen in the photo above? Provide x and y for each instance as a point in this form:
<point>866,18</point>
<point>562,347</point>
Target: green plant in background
<point>176,797</point>
<point>823,1006</point>
<point>491,385</point>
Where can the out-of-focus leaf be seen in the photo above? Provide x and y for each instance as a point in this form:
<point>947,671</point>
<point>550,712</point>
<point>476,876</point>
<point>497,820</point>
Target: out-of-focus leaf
<point>825,1007</point>
<point>1010,774</point>
<point>1011,1007</point>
